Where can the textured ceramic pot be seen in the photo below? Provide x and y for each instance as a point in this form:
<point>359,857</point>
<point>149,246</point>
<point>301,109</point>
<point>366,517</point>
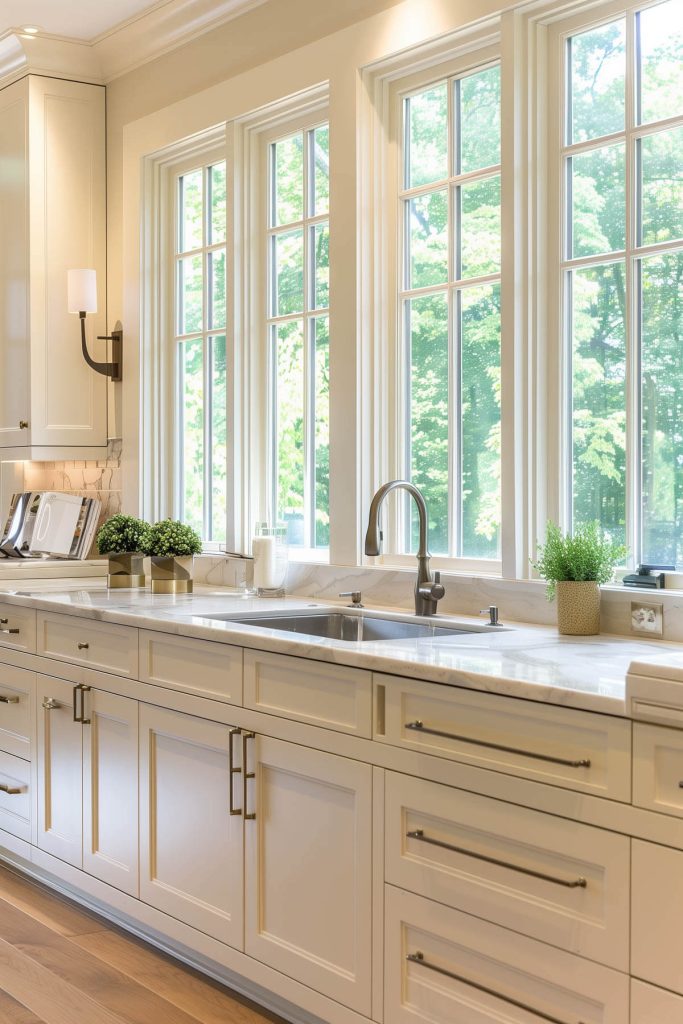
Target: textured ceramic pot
<point>578,608</point>
<point>172,574</point>
<point>126,569</point>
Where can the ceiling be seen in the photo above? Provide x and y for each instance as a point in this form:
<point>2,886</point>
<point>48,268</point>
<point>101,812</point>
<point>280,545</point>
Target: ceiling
<point>75,19</point>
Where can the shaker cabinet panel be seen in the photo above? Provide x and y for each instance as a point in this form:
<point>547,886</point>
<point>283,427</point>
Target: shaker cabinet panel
<point>60,771</point>
<point>53,207</point>
<point>656,913</point>
<point>191,846</point>
<point>110,789</point>
<point>308,863</point>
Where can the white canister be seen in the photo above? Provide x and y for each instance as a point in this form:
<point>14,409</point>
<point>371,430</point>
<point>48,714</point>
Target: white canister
<point>264,551</point>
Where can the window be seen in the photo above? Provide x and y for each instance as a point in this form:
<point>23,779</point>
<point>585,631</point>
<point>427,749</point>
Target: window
<point>622,279</point>
<point>297,319</point>
<point>449,241</point>
<point>200,349</point>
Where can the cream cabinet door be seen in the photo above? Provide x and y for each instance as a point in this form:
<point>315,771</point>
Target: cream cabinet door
<point>60,771</point>
<point>14,267</point>
<point>110,789</point>
<point>308,857</point>
<point>191,846</point>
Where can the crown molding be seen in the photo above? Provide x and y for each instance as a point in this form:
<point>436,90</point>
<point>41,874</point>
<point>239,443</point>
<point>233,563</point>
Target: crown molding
<point>156,31</point>
<point>162,29</point>
<point>52,56</point>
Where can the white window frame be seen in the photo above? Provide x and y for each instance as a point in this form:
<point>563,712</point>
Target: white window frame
<point>251,138</point>
<point>200,160</point>
<point>158,408</point>
<point>305,125</point>
<point>558,498</point>
<point>385,84</point>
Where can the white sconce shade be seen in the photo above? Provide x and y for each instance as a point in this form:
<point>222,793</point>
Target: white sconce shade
<point>82,291</point>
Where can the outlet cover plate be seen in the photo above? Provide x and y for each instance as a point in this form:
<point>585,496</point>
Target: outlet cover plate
<point>647,618</point>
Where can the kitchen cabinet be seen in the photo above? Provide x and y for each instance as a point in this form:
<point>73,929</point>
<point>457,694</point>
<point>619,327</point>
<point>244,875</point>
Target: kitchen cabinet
<point>283,869</point>
<point>308,867</point>
<point>191,846</point>
<point>87,780</point>
<point>53,209</point>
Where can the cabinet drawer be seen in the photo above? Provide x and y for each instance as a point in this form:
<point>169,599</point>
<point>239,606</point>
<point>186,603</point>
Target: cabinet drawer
<point>560,746</point>
<point>99,645</point>
<point>658,768</point>
<point>333,696</point>
<point>195,666</point>
<point>445,967</point>
<point>650,1005</point>
<point>17,627</point>
<point>17,697</point>
<point>15,796</point>
<point>656,914</point>
<point>555,880</point>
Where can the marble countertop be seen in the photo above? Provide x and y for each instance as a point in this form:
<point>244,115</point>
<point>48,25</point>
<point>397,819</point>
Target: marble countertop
<point>526,661</point>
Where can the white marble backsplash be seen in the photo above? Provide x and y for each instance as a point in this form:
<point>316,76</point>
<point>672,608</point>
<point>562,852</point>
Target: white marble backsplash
<point>517,600</point>
<point>93,479</point>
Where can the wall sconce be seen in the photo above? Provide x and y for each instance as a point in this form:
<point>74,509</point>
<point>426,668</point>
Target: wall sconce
<point>82,299</point>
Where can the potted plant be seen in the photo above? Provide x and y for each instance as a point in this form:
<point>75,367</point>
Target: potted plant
<point>124,539</point>
<point>574,567</point>
<point>172,546</point>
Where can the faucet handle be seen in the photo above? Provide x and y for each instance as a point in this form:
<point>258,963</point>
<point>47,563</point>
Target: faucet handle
<point>355,596</point>
<point>438,589</point>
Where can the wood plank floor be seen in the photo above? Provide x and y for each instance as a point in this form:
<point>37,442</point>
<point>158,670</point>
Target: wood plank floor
<point>60,964</point>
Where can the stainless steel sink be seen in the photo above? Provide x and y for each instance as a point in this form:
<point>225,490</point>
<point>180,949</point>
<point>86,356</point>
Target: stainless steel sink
<point>340,626</point>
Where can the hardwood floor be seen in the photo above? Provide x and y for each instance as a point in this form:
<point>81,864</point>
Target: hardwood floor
<point>60,964</point>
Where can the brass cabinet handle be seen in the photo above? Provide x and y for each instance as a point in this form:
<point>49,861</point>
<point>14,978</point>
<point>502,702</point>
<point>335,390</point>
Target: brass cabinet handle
<point>10,631</point>
<point>79,716</point>
<point>246,775</point>
<point>233,770</point>
<point>10,790</point>
<point>3,622</point>
<point>9,700</point>
<point>49,704</point>
<point>23,424</point>
<point>83,647</point>
<point>419,726</point>
<point>568,883</point>
<point>418,958</point>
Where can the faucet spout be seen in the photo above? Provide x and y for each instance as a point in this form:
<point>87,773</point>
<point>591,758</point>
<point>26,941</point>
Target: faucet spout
<point>427,591</point>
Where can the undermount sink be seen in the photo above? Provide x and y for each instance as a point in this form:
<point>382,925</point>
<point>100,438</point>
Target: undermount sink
<point>341,626</point>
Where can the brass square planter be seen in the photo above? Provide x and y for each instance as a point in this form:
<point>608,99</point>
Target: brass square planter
<point>126,570</point>
<point>172,574</point>
<point>578,608</point>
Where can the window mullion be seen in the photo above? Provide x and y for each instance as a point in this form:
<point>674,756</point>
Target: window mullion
<point>634,490</point>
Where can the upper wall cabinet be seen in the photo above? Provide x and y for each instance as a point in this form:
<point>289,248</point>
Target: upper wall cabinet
<point>52,218</point>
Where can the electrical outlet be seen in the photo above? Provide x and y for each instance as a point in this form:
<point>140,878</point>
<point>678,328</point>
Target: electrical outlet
<point>647,618</point>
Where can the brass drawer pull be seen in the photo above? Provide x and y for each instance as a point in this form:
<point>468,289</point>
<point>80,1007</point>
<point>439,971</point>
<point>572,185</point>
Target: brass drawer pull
<point>418,958</point>
<point>233,770</point>
<point>568,883</point>
<point>83,647</point>
<point>10,790</point>
<point>9,700</point>
<point>419,726</point>
<point>246,775</point>
<point>50,704</point>
<point>11,632</point>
